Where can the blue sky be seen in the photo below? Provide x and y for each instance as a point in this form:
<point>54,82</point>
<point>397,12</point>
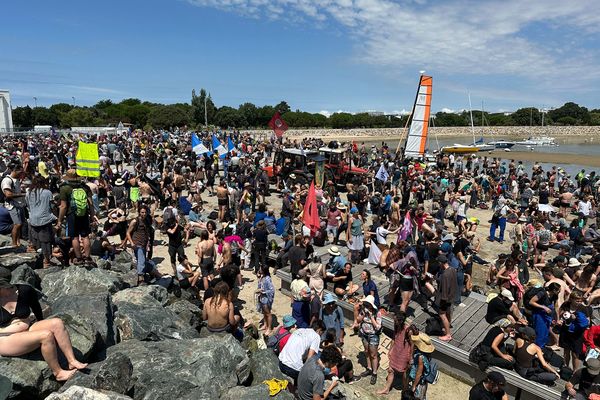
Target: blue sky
<point>318,55</point>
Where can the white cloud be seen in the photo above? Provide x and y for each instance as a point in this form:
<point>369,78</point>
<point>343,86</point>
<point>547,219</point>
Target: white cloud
<point>456,36</point>
<point>448,110</point>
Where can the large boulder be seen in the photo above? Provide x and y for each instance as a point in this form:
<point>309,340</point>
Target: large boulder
<point>187,311</point>
<point>144,322</point>
<point>30,376</point>
<point>264,365</point>
<point>13,260</point>
<point>143,295</point>
<point>114,374</point>
<point>83,393</point>
<point>243,392</point>
<point>80,281</point>
<point>210,366</point>
<point>96,308</point>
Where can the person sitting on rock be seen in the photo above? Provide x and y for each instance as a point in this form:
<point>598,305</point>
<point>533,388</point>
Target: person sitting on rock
<point>19,337</point>
<point>218,311</point>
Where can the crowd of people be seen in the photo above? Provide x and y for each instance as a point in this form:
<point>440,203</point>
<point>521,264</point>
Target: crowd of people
<point>417,222</point>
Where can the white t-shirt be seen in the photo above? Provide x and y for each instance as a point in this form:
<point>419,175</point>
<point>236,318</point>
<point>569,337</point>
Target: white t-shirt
<point>585,207</point>
<point>299,343</point>
<point>381,233</point>
<point>180,272</point>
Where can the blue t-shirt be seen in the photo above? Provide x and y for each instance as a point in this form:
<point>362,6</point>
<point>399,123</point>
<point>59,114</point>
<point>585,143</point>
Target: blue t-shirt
<point>369,287</point>
<point>301,313</point>
<point>259,216</point>
<point>6,223</point>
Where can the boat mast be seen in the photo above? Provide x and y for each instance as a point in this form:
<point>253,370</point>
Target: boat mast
<point>471,113</point>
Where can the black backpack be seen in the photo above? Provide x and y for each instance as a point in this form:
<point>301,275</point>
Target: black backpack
<point>434,327</point>
<point>273,341</point>
<point>530,294</point>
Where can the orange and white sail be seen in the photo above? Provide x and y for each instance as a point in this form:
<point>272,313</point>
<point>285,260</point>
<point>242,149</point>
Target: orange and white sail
<point>419,126</point>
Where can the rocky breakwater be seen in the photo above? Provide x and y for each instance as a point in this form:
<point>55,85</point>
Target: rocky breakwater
<point>140,342</point>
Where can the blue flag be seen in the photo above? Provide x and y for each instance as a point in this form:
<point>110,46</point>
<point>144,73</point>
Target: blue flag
<point>218,147</point>
<point>197,146</point>
<point>230,145</point>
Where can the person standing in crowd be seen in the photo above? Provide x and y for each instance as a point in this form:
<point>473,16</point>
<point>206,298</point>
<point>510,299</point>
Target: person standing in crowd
<point>421,365</point>
<point>311,378</point>
<point>356,240</point>
<point>400,354</point>
<point>41,219</point>
<point>447,288</point>
<point>370,328</point>
<point>265,295</point>
<point>138,234</point>
<point>11,193</point>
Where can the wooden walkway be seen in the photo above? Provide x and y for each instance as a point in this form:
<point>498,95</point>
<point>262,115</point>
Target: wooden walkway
<point>469,328</point>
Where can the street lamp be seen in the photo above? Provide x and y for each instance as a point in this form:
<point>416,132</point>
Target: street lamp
<point>73,97</point>
<point>35,101</point>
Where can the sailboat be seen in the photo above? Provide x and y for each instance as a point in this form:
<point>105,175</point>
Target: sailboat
<point>481,145</point>
<point>461,148</point>
<point>416,140</point>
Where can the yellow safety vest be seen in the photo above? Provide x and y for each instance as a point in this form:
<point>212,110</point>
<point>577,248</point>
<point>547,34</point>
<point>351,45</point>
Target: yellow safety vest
<point>88,162</point>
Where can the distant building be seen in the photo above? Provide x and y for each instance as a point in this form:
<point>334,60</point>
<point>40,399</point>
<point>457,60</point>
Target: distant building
<point>375,113</point>
<point>6,123</point>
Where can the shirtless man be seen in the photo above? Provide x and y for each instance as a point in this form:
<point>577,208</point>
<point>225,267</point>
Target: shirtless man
<point>94,189</point>
<point>205,250</point>
<point>218,311</point>
<point>223,199</point>
<point>565,201</point>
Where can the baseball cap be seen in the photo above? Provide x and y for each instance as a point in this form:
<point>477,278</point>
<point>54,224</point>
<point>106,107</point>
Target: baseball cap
<point>496,377</point>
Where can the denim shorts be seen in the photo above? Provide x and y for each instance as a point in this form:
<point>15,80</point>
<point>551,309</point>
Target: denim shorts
<point>372,339</point>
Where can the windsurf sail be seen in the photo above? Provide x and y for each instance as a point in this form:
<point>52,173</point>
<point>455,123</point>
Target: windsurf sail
<point>419,126</point>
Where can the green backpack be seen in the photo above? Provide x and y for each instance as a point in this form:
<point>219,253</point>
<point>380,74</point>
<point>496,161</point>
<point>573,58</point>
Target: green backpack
<point>79,202</point>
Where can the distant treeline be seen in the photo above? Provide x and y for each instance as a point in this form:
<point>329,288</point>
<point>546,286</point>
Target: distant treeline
<point>149,116</point>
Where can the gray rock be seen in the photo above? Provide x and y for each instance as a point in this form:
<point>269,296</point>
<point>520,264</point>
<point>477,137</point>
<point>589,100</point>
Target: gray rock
<point>83,334</point>
<point>13,260</point>
<point>43,272</point>
<point>115,374</point>
<point>5,240</point>
<point>212,365</point>
<point>143,296</point>
<point>24,274</point>
<point>103,264</point>
<point>30,376</point>
<point>83,393</point>
<point>79,281</point>
<point>96,308</point>
<point>166,387</point>
<point>188,312</point>
<point>284,395</point>
<point>264,365</point>
<point>147,322</point>
<point>243,392</point>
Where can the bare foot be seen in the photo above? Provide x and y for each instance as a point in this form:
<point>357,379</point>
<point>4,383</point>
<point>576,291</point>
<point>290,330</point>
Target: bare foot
<point>383,391</point>
<point>446,338</point>
<point>77,365</point>
<point>64,375</point>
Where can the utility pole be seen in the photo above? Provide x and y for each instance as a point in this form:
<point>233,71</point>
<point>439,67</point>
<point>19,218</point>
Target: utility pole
<point>35,101</point>
<point>73,97</point>
<point>205,114</point>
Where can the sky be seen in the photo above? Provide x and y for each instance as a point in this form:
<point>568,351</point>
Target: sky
<point>318,55</point>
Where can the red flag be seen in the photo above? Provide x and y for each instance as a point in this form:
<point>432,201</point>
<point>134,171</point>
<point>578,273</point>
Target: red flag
<point>310,216</point>
<point>278,124</point>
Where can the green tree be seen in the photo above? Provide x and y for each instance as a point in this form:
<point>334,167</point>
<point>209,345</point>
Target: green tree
<point>341,120</point>
<point>573,110</point>
<point>283,107</point>
<point>568,120</point>
<point>102,104</point>
<point>167,116</point>
<point>250,114</point>
<point>527,116</point>
<point>449,119</point>
<point>265,114</point>
<point>22,117</point>
<point>229,117</point>
<point>594,118</point>
<point>44,116</point>
<point>499,119</point>
<point>198,107</point>
<point>130,102</point>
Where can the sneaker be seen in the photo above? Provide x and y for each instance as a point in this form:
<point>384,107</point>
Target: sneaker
<point>373,379</point>
<point>366,373</point>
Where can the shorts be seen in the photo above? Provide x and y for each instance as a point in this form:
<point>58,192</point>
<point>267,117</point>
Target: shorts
<point>16,214</point>
<point>176,251</point>
<point>78,226</point>
<point>542,247</point>
<point>207,267</point>
<point>372,339</point>
<point>445,306</point>
<point>223,202</point>
<point>406,284</point>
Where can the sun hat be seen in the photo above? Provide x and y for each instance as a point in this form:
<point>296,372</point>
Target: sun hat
<point>507,294</point>
<point>328,299</point>
<point>288,321</point>
<point>194,205</point>
<point>423,342</point>
<point>292,176</point>
<point>522,218</point>
<point>71,175</point>
<point>341,206</point>
<point>593,366</point>
<point>5,278</point>
<point>334,251</point>
<point>573,262</point>
<point>371,300</point>
<point>119,182</point>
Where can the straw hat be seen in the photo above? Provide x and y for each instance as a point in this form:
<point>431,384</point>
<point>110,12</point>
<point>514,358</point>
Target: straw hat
<point>334,251</point>
<point>341,206</point>
<point>423,342</point>
<point>573,262</point>
<point>119,182</point>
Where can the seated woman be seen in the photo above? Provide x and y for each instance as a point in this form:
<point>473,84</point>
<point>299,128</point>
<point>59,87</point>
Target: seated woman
<point>18,336</point>
<point>218,310</point>
<point>344,369</point>
<point>526,351</point>
<point>492,350</point>
<point>187,277</point>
